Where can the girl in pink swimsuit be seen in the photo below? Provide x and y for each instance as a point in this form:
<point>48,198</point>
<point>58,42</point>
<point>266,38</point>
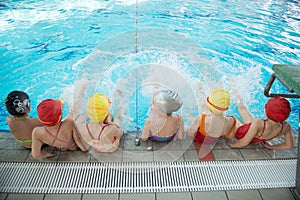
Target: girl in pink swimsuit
<point>101,133</point>
<point>57,133</point>
<point>277,110</point>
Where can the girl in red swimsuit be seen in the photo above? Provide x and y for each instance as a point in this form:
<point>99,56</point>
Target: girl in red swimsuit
<point>277,110</point>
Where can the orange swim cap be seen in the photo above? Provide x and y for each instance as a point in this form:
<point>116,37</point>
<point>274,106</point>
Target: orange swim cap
<point>278,109</point>
<point>50,112</point>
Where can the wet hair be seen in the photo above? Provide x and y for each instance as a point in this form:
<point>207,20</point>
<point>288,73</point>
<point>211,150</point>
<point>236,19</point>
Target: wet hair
<point>17,103</point>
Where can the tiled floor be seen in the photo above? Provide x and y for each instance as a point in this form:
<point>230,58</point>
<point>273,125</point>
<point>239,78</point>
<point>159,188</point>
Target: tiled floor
<point>261,194</point>
<point>184,150</point>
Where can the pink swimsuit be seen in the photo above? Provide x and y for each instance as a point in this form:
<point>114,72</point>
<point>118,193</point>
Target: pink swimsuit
<point>68,145</point>
<point>99,135</point>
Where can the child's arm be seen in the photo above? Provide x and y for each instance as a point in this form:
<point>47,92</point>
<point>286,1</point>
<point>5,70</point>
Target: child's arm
<point>37,145</point>
<point>100,146</point>
<point>194,127</point>
<point>108,119</point>
<point>252,132</point>
<point>181,129</point>
<point>108,144</point>
<point>289,141</point>
<point>146,130</point>
<point>79,91</point>
<point>78,140</point>
<point>10,124</point>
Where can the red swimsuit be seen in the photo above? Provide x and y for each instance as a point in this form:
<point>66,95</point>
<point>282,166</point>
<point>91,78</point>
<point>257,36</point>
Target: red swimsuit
<point>243,130</point>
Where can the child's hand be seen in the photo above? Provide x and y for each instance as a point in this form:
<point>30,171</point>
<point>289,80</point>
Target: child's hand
<point>267,145</point>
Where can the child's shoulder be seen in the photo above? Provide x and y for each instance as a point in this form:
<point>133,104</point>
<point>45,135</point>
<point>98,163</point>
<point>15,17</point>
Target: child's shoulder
<point>10,119</point>
<point>286,125</point>
<point>69,122</point>
<point>38,129</point>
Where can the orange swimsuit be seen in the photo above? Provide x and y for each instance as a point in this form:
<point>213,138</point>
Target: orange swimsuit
<point>201,135</point>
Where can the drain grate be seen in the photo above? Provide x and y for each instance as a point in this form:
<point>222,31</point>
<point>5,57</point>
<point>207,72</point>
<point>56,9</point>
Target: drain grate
<point>146,176</point>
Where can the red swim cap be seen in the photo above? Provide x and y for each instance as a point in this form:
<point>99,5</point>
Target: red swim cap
<point>278,109</point>
<point>50,112</point>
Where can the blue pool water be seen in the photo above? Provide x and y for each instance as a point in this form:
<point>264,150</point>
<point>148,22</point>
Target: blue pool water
<point>45,46</point>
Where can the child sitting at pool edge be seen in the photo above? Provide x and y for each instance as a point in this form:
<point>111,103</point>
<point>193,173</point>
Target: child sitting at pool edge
<point>277,110</point>
<point>162,125</point>
<point>208,128</point>
<point>57,133</point>
<point>20,123</point>
<point>102,134</point>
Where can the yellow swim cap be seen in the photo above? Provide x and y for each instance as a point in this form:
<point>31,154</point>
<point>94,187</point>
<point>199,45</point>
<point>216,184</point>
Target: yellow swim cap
<point>218,100</point>
<point>97,107</point>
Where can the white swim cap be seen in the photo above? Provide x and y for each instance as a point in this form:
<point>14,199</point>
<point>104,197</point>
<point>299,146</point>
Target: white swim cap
<point>167,101</point>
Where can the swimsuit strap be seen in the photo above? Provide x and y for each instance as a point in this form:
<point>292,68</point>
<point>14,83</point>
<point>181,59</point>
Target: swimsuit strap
<point>55,136</point>
<point>277,133</point>
<point>178,123</point>
<point>158,130</point>
<point>202,123</point>
<point>87,127</point>
<point>103,127</point>
<point>232,127</point>
<point>263,130</point>
<point>24,117</point>
<point>24,141</point>
<point>273,136</point>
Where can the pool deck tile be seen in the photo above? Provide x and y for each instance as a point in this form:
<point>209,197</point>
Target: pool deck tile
<point>278,193</point>
<point>63,196</point>
<point>149,196</point>
<point>244,195</point>
<point>174,196</point>
<point>100,196</point>
<point>184,150</point>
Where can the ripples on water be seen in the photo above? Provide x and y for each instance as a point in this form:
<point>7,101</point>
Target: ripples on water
<point>41,40</point>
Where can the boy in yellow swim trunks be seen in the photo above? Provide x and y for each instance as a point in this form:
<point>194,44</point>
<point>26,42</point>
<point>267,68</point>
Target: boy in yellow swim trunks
<point>20,123</point>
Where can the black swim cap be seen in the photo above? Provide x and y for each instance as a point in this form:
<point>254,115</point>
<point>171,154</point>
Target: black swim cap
<point>17,103</point>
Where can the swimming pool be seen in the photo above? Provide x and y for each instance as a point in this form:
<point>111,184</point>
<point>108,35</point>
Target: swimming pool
<point>47,45</point>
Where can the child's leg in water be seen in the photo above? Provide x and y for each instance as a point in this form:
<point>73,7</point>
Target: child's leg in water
<point>245,114</point>
<point>117,119</point>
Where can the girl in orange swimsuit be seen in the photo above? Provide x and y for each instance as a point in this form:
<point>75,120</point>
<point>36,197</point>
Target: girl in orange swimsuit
<point>277,110</point>
<point>208,128</point>
<point>57,133</point>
